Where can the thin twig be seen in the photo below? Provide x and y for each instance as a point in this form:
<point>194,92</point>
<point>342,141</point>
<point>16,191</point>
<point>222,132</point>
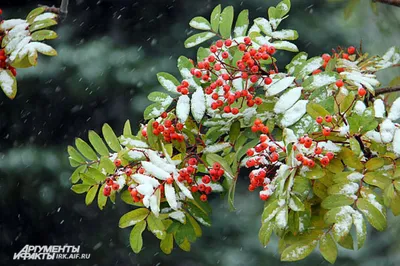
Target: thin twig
<point>386,90</point>
<point>389,2</point>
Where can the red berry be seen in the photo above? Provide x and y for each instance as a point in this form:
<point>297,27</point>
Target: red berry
<point>258,101</point>
<point>345,56</point>
<point>326,131</point>
<point>115,186</point>
<point>325,161</point>
<point>235,111</point>
<point>264,196</point>
<point>170,180</point>
<point>339,83</point>
<point>192,161</point>
<point>194,189</point>
<point>216,166</point>
<point>206,179</point>
<point>242,47</point>
<point>318,150</point>
<point>271,50</point>
<point>319,119</point>
<point>247,40</point>
<point>164,115</point>
<point>299,157</point>
<point>267,80</point>
<point>128,171</point>
<point>330,155</point>
<point>250,152</point>
<point>228,42</point>
<point>328,118</point>
<point>263,138</point>
<point>217,67</point>
<point>225,55</point>
<point>351,50</point>
<point>326,57</point>
<point>107,191</point>
<point>227,109</point>
<point>362,92</point>
<point>117,162</point>
<point>219,43</point>
<point>213,49</point>
<point>203,197</point>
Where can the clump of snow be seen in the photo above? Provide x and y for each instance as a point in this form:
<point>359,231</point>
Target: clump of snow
<point>170,196</point>
<point>396,142</point>
<point>329,146</point>
<point>354,177</point>
<point>278,86</point>
<point>178,215</point>
<point>344,130</point>
<point>183,108</point>
<point>6,82</point>
<point>294,114</point>
<point>199,25</point>
<point>154,205</point>
<point>394,113</point>
<point>240,31</point>
<point>349,189</point>
<point>216,147</point>
<point>145,179</point>
<point>379,107</point>
<point>374,135</point>
<point>47,15</point>
<point>287,100</point>
<point>133,142</point>
<point>198,104</point>
<point>10,23</point>
<point>281,218</point>
<point>136,155</point>
<point>311,65</point>
<point>372,199</point>
<point>387,129</point>
<point>200,39</point>
<point>155,170</point>
<point>359,107</point>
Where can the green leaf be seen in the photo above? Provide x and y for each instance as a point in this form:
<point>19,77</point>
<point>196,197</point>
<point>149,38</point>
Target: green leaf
<point>265,233</point>
<point>34,13</point>
<point>320,80</point>
<point>98,144</point>
<point>283,8</point>
<point>38,25</point>
<point>270,211</point>
<point>315,110</point>
<point>234,131</point>
<point>328,248</point>
<point>111,138</point>
<point>156,226</point>
<point>127,128</point>
<point>295,204</point>
<point>168,81</point>
<point>101,199</point>
<point>185,231</point>
<point>135,238</point>
<point>347,242</point>
<point>198,214</point>
<point>96,174</point>
<point>198,38</point>
<point>85,149</point>
<point>225,23</point>
<point>87,179</point>
<point>377,179</point>
<point>215,18</point>
<point>298,250</point>
<point>75,155</point>
<point>242,23</point>
<point>91,194</point>
<point>374,164</point>
<point>395,204</point>
<point>80,188</point>
<point>350,159</point>
<point>151,138</point>
<point>75,175</point>
<point>374,215</point>
<point>157,96</point>
<point>8,83</point>
<point>195,225</point>
<point>133,217</point>
<point>200,23</point>
<point>44,35</point>
<point>361,228</point>
<point>334,201</point>
<point>167,244</point>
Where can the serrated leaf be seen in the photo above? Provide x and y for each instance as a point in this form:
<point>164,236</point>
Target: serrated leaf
<point>135,237</point>
<point>98,143</point>
<point>225,23</point>
<point>133,217</point>
<point>215,18</point>
<point>328,248</point>
<point>91,194</point>
<point>374,216</point>
<point>111,138</point>
<point>85,149</point>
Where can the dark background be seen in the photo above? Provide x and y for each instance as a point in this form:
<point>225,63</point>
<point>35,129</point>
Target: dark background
<point>109,54</point>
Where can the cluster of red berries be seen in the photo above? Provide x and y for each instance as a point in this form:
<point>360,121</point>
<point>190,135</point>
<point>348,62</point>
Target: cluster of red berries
<point>259,126</point>
<point>111,184</point>
<point>307,158</point>
<point>326,131</point>
<point>4,64</point>
<point>169,129</point>
<point>262,153</point>
<point>216,172</point>
<point>247,68</point>
<point>326,57</point>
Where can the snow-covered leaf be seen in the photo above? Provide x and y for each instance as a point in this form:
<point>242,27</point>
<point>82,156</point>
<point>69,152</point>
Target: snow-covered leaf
<point>200,23</point>
<point>198,38</point>
<point>8,83</point>
<point>242,23</point>
<point>183,108</point>
<point>287,100</point>
<point>298,250</point>
<point>198,105</point>
<point>294,114</point>
<point>225,23</point>
<point>171,196</point>
<point>278,86</point>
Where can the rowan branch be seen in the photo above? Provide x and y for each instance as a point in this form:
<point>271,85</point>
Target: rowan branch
<point>386,90</point>
<point>389,2</point>
<point>62,11</point>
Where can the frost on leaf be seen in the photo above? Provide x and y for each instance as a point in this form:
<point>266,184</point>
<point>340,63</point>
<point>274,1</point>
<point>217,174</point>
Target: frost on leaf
<point>287,100</point>
<point>198,105</point>
<point>294,114</point>
<point>278,86</point>
<point>183,108</point>
<point>171,196</point>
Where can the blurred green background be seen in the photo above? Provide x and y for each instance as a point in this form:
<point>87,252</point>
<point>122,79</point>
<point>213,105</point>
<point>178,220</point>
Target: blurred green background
<point>109,54</point>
